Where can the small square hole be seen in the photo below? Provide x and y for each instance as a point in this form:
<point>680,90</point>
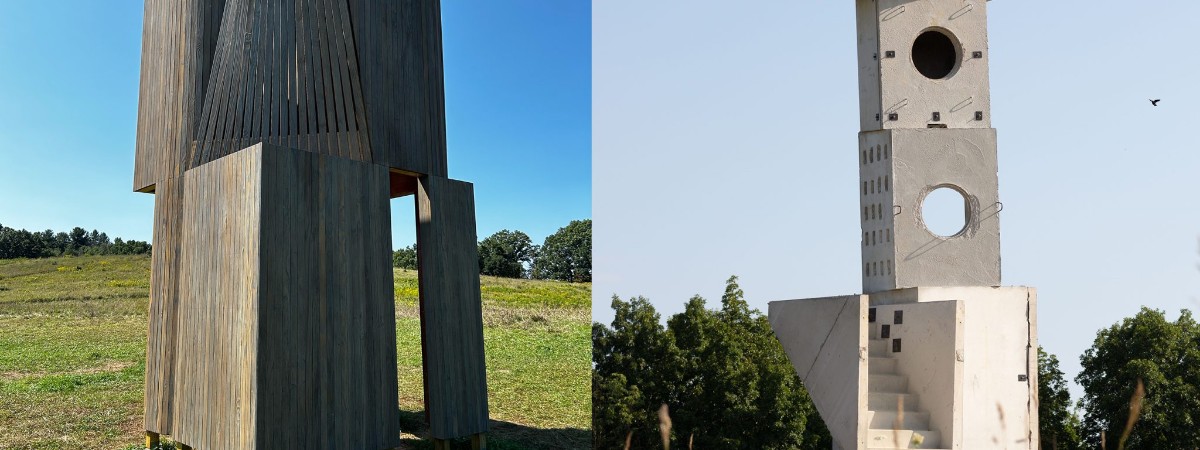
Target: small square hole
<point>937,116</point>
<point>978,115</point>
<point>890,54</point>
<point>871,315</point>
<point>894,116</point>
<point>977,54</point>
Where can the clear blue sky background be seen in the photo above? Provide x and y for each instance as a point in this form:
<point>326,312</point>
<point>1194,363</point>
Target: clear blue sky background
<point>518,104</point>
<point>725,138</point>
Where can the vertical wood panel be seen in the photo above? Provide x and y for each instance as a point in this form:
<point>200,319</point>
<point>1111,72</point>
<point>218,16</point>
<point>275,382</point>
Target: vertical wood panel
<point>451,310</point>
<point>164,296</point>
<point>400,63</point>
<point>178,42</point>
<point>287,321</point>
<point>357,84</point>
<point>218,312</point>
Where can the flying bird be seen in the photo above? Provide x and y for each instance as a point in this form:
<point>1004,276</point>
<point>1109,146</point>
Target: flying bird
<point>1155,101</point>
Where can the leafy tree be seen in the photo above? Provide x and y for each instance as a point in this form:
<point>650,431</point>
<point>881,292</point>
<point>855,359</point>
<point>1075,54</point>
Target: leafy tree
<point>405,258</point>
<point>26,244</point>
<point>1165,357</point>
<point>1057,424</point>
<point>722,372</point>
<point>635,364</point>
<point>567,254</point>
<point>79,237</point>
<point>739,390</point>
<point>505,254</point>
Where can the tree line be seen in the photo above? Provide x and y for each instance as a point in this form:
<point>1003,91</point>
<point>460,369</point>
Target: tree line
<point>38,244</point>
<point>720,379</point>
<point>565,255</point>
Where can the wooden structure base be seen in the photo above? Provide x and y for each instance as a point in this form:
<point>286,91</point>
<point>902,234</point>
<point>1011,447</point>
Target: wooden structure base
<point>478,442</point>
<point>284,328</point>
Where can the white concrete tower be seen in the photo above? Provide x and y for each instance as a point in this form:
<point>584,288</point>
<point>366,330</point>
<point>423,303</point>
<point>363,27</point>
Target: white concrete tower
<point>934,354</point>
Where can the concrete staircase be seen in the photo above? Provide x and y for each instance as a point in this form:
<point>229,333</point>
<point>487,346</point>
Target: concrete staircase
<point>895,420</point>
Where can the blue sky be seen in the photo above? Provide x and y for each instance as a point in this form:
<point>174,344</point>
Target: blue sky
<point>518,106</point>
<point>725,140</point>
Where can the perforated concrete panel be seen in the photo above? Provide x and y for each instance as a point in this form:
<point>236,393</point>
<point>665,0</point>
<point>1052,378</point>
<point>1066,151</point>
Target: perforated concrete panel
<point>898,169</point>
<point>923,63</point>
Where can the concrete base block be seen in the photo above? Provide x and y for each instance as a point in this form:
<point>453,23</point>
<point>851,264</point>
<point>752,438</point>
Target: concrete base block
<point>825,340</point>
<point>943,367</point>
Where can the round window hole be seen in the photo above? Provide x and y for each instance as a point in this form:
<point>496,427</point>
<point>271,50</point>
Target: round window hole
<point>935,54</point>
<point>945,211</point>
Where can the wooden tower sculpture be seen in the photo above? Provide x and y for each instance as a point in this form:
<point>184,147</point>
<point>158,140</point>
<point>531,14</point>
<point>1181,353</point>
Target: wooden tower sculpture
<point>273,134</point>
<point>935,353</point>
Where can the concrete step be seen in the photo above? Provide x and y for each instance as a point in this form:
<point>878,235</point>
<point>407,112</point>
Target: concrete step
<point>879,348</point>
<point>881,365</point>
<point>881,382</point>
<point>888,438</point>
<point>891,401</point>
<point>886,420</point>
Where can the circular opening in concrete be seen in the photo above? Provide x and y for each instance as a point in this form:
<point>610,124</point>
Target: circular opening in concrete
<point>935,54</point>
<point>945,211</point>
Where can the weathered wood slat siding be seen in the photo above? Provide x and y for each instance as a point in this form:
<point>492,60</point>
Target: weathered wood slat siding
<point>163,314</point>
<point>451,311</point>
<point>283,74</point>
<point>400,64</point>
<point>327,330</point>
<point>360,79</point>
<point>178,41</point>
<point>347,97</point>
<point>215,399</point>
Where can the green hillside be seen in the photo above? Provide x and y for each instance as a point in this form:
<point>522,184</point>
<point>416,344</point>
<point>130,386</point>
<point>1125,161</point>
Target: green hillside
<point>73,337</point>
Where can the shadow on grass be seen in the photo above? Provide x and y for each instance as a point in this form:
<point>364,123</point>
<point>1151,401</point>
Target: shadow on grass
<point>501,436</point>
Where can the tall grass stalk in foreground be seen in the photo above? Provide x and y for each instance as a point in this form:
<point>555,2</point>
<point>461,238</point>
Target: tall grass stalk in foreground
<point>1135,410</point>
<point>664,425</point>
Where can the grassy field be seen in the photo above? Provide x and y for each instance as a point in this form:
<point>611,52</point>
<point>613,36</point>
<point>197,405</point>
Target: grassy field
<point>73,343</point>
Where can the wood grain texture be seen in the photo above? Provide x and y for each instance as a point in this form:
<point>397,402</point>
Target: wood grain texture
<point>358,79</point>
<point>287,326</point>
<point>400,64</point>
<point>161,336</point>
<point>327,364</point>
<point>218,307</point>
<point>273,132</point>
<point>451,310</point>
<point>179,38</point>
